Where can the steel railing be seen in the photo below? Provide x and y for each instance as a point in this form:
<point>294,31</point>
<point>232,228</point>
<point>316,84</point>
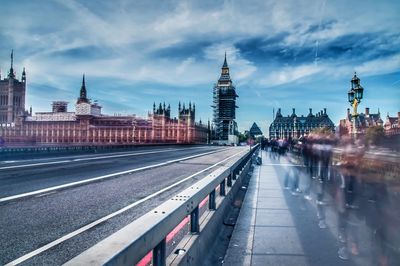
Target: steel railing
<point>148,233</point>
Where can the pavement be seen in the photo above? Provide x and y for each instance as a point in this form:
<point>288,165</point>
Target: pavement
<point>278,227</point>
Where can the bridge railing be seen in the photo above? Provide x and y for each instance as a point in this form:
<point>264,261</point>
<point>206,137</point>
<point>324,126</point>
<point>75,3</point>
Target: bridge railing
<point>149,232</point>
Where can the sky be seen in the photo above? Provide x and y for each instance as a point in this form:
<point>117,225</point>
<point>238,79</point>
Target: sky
<point>282,54</point>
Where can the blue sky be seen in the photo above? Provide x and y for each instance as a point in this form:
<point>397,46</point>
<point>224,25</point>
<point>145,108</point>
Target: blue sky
<point>282,54</point>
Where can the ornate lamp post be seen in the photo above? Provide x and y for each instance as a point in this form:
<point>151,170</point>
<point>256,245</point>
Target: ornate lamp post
<point>355,95</point>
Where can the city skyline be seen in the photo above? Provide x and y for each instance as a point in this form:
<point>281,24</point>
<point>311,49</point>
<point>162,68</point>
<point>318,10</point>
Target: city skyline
<point>136,55</point>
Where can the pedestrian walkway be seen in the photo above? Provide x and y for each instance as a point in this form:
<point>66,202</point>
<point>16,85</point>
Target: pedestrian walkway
<point>277,226</point>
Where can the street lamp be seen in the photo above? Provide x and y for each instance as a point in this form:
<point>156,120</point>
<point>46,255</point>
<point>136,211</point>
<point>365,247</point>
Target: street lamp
<point>355,95</point>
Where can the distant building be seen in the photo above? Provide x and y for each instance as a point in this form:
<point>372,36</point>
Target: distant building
<point>392,125</point>
<point>12,95</point>
<point>294,127</point>
<point>88,126</point>
<point>255,131</point>
<point>224,109</point>
<point>363,121</point>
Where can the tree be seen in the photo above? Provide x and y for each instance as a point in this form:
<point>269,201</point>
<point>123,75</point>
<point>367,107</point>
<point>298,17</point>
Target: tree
<point>243,137</point>
<point>374,135</point>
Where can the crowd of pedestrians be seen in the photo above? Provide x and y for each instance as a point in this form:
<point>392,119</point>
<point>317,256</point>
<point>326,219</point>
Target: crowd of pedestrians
<point>332,175</point>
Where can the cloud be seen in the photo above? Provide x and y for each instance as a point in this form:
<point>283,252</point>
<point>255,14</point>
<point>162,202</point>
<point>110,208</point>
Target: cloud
<point>380,66</point>
<point>289,74</point>
<point>168,49</point>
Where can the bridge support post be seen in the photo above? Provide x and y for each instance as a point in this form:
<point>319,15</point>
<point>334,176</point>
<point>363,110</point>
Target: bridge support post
<point>194,221</point>
<point>229,181</point>
<point>211,200</point>
<point>222,188</point>
<point>159,256</point>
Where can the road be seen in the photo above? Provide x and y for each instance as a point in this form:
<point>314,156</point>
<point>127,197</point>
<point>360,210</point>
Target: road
<point>52,209</point>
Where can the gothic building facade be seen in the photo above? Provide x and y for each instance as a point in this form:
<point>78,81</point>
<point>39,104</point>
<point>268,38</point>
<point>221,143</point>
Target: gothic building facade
<point>224,109</point>
<point>294,127</point>
<point>12,95</point>
<point>88,126</point>
<point>392,125</point>
<point>363,122</point>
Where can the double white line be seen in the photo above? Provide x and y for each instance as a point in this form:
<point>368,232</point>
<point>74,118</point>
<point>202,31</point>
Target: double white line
<point>91,158</point>
<point>94,179</point>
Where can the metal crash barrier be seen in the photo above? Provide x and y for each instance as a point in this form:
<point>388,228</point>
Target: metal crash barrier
<point>149,232</point>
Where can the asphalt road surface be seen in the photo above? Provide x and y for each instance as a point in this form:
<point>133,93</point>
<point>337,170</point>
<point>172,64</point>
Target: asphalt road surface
<point>52,209</point>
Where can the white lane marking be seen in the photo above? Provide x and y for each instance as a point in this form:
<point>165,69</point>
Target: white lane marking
<point>45,190</point>
<point>105,218</point>
<point>71,157</point>
<point>91,158</point>
<point>45,194</point>
<point>33,164</point>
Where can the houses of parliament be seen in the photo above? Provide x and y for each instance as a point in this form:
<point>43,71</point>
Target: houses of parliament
<point>86,124</point>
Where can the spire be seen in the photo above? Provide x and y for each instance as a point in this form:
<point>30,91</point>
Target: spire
<point>12,58</point>
<point>154,107</point>
<point>179,106</point>
<point>83,94</point>
<point>11,74</point>
<point>225,65</point>
<point>225,79</point>
<point>23,78</point>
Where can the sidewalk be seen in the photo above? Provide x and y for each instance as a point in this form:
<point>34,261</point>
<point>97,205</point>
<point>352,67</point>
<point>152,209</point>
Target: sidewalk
<point>276,227</point>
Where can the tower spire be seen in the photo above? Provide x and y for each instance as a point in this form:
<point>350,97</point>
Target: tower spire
<point>23,75</point>
<point>225,79</point>
<point>225,65</point>
<point>83,94</point>
<point>12,58</point>
<point>11,74</point>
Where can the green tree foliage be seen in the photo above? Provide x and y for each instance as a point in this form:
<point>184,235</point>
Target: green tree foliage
<point>243,137</point>
<point>323,131</point>
<point>374,135</point>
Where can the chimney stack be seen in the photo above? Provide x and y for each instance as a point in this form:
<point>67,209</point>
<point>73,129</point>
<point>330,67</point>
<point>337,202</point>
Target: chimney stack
<point>348,112</point>
<point>367,111</point>
<point>324,111</point>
